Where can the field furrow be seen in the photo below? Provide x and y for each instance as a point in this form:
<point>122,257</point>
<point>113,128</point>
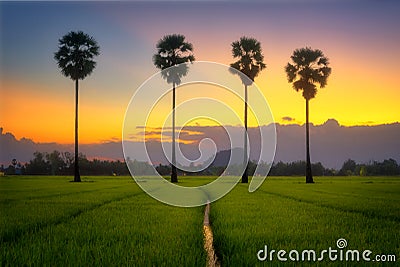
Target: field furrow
<point>31,228</point>
<point>366,213</point>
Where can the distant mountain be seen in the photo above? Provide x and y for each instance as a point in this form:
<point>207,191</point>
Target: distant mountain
<point>330,143</point>
<point>222,158</point>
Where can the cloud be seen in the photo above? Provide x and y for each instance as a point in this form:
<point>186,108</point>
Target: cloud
<point>23,149</point>
<point>288,119</point>
<point>331,144</point>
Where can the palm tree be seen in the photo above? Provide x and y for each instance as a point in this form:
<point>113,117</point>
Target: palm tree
<point>173,50</point>
<point>250,62</point>
<point>308,68</point>
<point>74,57</point>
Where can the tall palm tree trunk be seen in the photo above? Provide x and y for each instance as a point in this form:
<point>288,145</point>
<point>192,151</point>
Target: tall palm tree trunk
<point>309,178</point>
<point>77,176</point>
<point>174,175</point>
<point>245,176</point>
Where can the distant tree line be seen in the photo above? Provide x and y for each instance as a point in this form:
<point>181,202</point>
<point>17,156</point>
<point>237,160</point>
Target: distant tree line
<point>386,167</point>
<point>297,168</point>
<point>62,163</point>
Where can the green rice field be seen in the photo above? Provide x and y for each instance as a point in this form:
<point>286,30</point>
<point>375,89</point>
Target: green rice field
<point>288,214</point>
<point>110,221</point>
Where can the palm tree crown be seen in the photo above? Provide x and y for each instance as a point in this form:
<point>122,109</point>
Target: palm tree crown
<point>249,52</point>
<point>308,68</point>
<point>75,55</point>
<point>172,50</point>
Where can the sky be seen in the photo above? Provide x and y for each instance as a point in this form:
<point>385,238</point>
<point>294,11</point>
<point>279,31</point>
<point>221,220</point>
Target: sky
<point>360,38</point>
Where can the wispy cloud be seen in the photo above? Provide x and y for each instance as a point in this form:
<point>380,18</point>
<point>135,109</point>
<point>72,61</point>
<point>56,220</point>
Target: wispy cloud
<point>288,119</point>
<point>158,134</point>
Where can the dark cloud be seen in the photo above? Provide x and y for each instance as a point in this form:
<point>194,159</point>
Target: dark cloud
<point>330,143</point>
<point>23,149</point>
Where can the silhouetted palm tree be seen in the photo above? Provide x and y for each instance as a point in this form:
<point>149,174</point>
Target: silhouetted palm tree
<point>173,50</point>
<point>308,68</point>
<point>250,62</point>
<point>75,54</point>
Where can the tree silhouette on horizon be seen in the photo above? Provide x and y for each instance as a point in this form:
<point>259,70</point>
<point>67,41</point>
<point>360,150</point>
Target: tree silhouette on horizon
<point>308,68</point>
<point>76,51</point>
<point>172,51</point>
<point>250,62</point>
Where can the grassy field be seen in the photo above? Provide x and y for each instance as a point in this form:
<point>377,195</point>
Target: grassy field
<point>105,221</point>
<point>110,221</point>
<point>286,213</point>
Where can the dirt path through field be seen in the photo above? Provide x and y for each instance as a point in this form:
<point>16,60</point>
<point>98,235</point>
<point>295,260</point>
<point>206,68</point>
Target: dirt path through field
<point>212,260</point>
